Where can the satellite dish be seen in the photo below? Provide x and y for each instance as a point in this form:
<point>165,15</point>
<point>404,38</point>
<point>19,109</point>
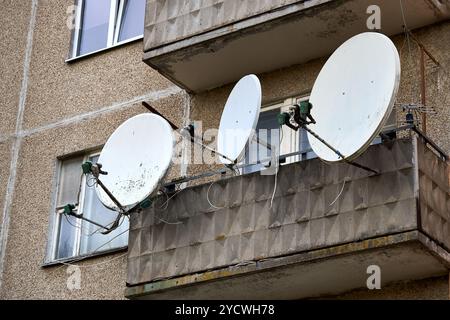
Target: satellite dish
<point>354,95</point>
<point>239,119</point>
<point>136,156</point>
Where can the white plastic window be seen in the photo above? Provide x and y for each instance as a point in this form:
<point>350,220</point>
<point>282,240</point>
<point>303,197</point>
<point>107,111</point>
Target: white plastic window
<point>101,24</point>
<point>131,20</point>
<point>291,141</point>
<point>73,237</point>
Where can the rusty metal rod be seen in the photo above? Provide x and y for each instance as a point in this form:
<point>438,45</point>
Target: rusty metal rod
<point>423,88</point>
<point>110,195</point>
<point>176,128</point>
<point>265,144</point>
<point>420,44</point>
<point>153,110</point>
<point>80,216</point>
<point>427,140</point>
<point>337,151</point>
<point>223,170</point>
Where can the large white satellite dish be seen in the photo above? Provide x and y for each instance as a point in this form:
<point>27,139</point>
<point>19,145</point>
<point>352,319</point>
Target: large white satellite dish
<point>354,95</point>
<point>136,157</point>
<point>239,119</point>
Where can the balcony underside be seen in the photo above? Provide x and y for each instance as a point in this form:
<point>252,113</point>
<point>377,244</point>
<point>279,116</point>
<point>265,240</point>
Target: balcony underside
<point>331,271</point>
<point>288,35</point>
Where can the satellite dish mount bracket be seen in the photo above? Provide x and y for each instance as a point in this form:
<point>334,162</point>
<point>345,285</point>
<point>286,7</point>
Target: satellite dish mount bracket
<point>299,116</point>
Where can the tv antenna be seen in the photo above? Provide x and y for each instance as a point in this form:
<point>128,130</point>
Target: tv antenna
<point>412,111</point>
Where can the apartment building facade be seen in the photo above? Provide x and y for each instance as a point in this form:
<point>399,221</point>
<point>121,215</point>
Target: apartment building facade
<point>73,71</point>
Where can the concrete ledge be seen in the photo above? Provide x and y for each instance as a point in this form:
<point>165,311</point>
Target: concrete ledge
<point>201,58</point>
<point>407,255</point>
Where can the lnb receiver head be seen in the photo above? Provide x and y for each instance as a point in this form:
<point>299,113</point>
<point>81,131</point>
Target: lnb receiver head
<point>68,208</point>
<point>283,118</point>
<point>87,167</point>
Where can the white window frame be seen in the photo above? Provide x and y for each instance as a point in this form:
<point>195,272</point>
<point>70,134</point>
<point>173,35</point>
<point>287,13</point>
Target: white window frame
<point>57,215</point>
<point>291,138</point>
<point>115,23</point>
<point>119,25</point>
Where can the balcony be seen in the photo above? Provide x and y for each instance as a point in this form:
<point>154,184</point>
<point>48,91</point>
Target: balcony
<point>308,243</point>
<point>201,45</point>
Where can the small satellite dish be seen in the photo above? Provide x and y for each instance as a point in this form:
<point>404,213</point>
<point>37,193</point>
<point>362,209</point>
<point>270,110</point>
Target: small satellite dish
<point>239,119</point>
<point>136,157</point>
<point>354,95</point>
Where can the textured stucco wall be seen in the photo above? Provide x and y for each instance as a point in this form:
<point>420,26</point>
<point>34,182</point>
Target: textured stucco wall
<point>23,277</point>
<point>58,90</point>
<point>436,40</point>
<point>13,36</point>
<point>74,107</point>
<point>5,159</point>
<point>70,107</point>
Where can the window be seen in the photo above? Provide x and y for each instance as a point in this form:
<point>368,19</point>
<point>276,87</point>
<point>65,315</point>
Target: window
<point>291,141</point>
<point>102,24</point>
<point>73,237</point>
<point>131,22</point>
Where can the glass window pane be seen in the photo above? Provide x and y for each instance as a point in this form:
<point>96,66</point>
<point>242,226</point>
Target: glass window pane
<point>132,19</point>
<point>68,188</point>
<point>69,181</point>
<point>305,146</point>
<point>91,237</point>
<point>66,238</point>
<point>254,152</point>
<point>94,26</point>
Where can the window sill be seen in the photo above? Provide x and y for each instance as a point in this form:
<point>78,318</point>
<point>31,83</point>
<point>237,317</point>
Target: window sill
<point>93,53</point>
<point>52,263</point>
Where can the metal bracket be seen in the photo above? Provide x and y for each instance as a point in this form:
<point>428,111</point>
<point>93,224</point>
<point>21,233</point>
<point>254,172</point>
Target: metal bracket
<point>69,210</point>
<point>338,153</point>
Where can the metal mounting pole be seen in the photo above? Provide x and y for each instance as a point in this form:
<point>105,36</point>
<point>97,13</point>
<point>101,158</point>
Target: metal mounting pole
<point>176,128</point>
<point>95,171</point>
<point>428,141</point>
<point>153,110</point>
<point>193,140</point>
<point>423,87</point>
<point>225,169</point>
<point>265,144</point>
<point>118,204</point>
<point>423,52</point>
<point>68,210</point>
<point>80,216</point>
<point>337,151</point>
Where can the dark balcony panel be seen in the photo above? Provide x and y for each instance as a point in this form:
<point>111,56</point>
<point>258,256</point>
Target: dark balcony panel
<point>174,20</point>
<point>201,45</point>
<point>316,273</point>
<point>434,195</point>
<point>191,237</point>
